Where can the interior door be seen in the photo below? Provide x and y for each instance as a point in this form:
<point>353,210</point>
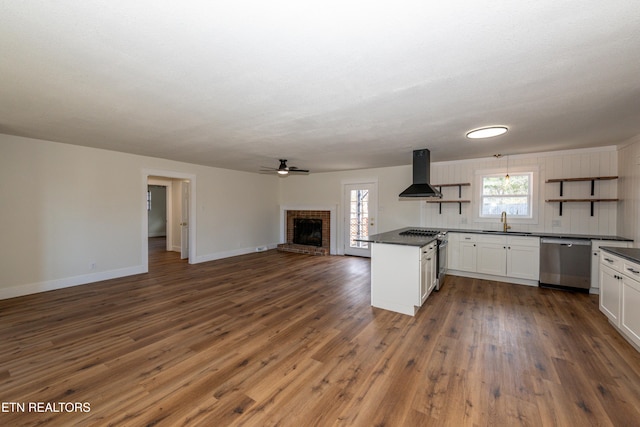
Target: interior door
<point>361,210</point>
<point>184,221</point>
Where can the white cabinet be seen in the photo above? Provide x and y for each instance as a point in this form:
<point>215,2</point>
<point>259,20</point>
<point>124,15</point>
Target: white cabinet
<point>630,302</point>
<point>516,257</point>
<point>401,277</point>
<point>620,295</point>
<point>428,277</point>
<point>491,255</point>
<point>610,293</point>
<point>468,255</point>
<point>523,257</point>
<point>595,260</point>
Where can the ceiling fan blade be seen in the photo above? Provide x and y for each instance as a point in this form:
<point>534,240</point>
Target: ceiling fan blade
<point>283,169</point>
<point>296,170</point>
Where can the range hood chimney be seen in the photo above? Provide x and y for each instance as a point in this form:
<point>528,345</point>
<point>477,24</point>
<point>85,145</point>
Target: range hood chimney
<point>421,170</point>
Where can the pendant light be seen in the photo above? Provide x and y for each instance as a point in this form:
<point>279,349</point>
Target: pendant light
<point>507,178</point>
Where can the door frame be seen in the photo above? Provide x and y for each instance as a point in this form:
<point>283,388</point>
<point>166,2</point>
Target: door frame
<point>146,173</point>
<point>345,209</point>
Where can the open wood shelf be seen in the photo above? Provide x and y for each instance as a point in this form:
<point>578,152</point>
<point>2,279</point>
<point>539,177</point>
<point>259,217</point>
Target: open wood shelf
<point>459,202</point>
<point>462,184</point>
<point>592,201</point>
<point>581,200</point>
<point>593,180</point>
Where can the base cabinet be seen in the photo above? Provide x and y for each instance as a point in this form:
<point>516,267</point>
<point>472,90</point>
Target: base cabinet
<point>595,260</point>
<point>620,295</point>
<point>402,277</point>
<point>515,257</point>
<point>610,293</point>
<point>630,319</point>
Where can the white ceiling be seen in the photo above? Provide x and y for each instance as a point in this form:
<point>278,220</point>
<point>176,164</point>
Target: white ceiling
<point>329,85</point>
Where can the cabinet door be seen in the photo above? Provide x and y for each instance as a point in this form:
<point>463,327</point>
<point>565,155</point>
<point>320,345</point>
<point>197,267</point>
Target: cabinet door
<point>523,262</point>
<point>453,252</point>
<point>424,276</point>
<point>630,316</point>
<point>467,256</point>
<point>491,259</point>
<point>610,293</point>
<point>432,276</point>
<point>429,273</point>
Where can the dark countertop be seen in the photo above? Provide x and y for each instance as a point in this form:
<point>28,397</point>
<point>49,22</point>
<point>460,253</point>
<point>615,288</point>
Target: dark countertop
<point>393,237</point>
<point>631,254</point>
<point>544,234</point>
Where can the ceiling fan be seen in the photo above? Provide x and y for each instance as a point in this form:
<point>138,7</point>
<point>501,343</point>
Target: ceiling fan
<point>284,170</point>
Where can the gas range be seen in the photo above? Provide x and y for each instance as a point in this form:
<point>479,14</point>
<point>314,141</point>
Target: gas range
<point>423,232</point>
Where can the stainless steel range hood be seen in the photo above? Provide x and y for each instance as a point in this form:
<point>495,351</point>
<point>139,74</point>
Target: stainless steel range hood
<point>421,171</point>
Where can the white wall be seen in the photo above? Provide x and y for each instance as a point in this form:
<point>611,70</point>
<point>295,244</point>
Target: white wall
<point>325,188</point>
<point>158,213</point>
<point>629,190</point>
<point>73,215</point>
<point>576,217</point>
<point>67,208</point>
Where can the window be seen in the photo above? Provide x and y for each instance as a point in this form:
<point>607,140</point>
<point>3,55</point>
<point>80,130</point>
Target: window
<point>513,196</point>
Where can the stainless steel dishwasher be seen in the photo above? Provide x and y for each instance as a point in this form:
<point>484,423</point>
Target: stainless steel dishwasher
<point>565,263</point>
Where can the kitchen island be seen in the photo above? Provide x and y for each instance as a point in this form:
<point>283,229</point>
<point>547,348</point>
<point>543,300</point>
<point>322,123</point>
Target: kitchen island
<point>403,270</point>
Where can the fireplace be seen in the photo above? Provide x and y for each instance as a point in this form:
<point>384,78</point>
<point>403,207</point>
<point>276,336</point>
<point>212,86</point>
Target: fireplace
<point>307,232</point>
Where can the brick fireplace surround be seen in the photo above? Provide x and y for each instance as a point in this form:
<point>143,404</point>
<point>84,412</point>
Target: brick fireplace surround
<point>325,216</point>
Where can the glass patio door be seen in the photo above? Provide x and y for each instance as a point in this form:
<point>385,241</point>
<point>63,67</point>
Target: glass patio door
<point>361,206</point>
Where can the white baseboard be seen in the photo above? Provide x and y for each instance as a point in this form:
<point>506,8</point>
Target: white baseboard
<point>50,285</point>
<point>228,254</point>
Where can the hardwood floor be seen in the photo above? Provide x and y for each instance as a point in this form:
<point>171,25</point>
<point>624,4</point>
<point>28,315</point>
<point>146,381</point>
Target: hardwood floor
<point>286,339</point>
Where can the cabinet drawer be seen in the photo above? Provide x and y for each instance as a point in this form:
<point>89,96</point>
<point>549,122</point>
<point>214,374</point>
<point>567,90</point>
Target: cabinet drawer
<point>497,240</point>
<point>631,269</point>
<point>611,260</point>
<point>523,241</point>
<point>467,238</point>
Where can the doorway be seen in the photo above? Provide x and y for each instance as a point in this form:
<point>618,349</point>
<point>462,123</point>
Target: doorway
<point>361,206</point>
<point>180,224</point>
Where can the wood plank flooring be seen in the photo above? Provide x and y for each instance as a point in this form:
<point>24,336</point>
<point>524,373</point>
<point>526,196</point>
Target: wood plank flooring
<point>283,339</point>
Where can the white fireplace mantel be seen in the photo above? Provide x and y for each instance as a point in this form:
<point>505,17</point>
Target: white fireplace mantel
<point>333,209</point>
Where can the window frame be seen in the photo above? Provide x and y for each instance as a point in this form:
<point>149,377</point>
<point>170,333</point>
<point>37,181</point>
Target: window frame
<point>532,170</point>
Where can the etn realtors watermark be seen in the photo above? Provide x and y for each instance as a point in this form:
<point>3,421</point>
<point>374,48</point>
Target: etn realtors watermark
<point>45,407</point>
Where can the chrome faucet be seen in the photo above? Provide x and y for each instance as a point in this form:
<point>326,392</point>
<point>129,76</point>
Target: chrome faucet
<point>503,220</point>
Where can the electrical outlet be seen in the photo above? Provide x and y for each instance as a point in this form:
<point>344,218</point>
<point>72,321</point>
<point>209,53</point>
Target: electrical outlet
<point>556,223</point>
<point>93,265</point>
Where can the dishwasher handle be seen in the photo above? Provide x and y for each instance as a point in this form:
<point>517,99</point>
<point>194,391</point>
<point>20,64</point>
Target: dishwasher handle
<point>565,242</point>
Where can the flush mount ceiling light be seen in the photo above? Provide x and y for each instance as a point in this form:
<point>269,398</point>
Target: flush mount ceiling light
<point>487,132</point>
